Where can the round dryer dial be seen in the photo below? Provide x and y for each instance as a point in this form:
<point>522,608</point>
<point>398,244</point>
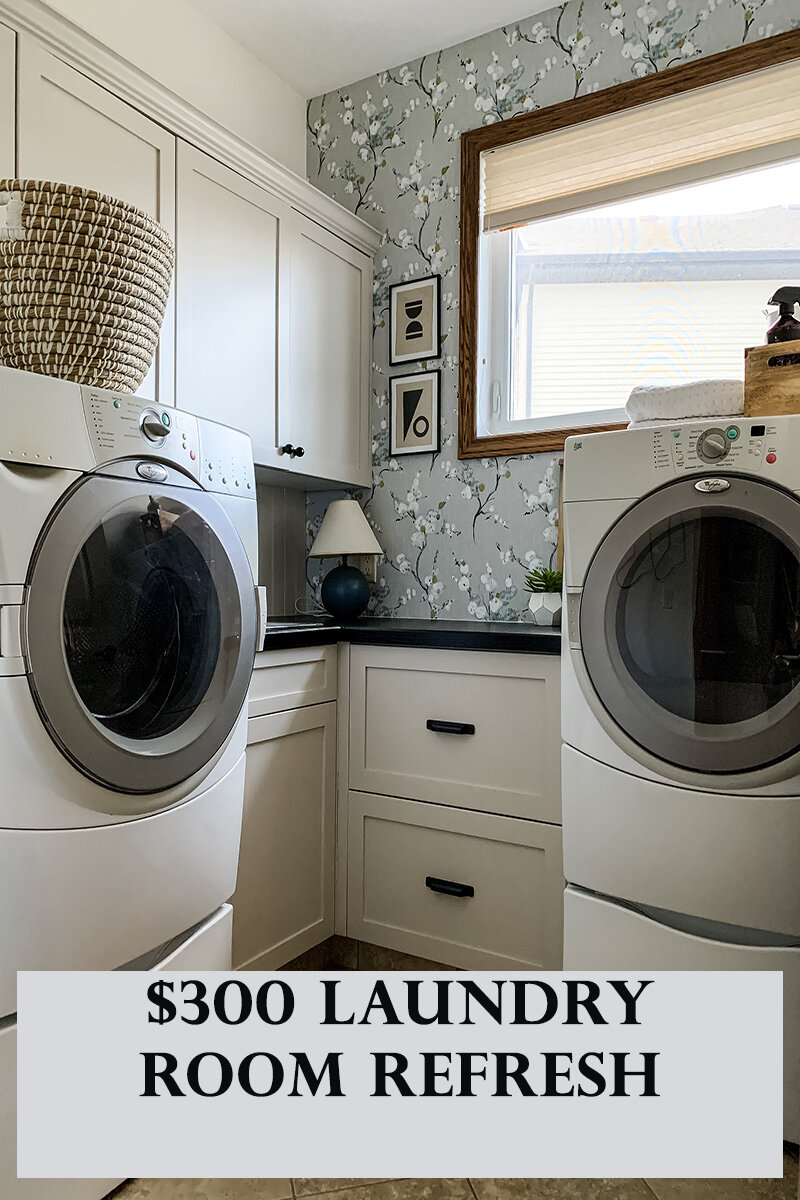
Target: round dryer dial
<point>152,426</point>
<point>713,445</point>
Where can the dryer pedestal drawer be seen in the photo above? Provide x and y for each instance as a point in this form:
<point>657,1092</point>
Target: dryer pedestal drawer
<point>600,935</point>
<point>469,889</point>
<point>477,730</point>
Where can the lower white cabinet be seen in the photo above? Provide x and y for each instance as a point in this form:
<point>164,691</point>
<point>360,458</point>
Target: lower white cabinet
<point>283,903</point>
<point>469,889</point>
<point>292,679</point>
<point>475,729</point>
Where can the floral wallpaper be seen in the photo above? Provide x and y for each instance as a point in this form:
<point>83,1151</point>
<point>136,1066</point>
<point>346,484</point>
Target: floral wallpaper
<point>458,535</point>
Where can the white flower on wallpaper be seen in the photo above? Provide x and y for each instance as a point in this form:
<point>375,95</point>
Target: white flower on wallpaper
<point>459,536</point>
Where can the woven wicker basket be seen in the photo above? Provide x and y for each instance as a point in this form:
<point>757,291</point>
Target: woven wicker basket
<point>84,282</point>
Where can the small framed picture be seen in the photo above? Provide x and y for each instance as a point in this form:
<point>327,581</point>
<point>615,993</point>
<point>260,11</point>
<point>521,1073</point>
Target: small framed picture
<point>414,413</point>
<point>415,320</point>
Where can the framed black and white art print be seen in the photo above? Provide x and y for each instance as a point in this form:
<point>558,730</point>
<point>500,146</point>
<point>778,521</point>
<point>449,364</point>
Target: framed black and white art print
<point>415,320</point>
<point>414,413</point>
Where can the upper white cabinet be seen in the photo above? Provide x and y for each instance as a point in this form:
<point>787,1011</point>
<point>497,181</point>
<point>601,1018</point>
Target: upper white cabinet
<point>7,85</point>
<point>326,387</point>
<point>71,130</point>
<point>268,328</point>
<point>273,324</point>
<point>228,287</point>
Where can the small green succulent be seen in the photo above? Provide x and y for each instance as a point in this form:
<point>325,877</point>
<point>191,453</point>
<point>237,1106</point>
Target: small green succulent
<point>543,580</point>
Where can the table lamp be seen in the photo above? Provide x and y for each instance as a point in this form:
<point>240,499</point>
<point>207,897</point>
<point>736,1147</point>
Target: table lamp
<point>344,531</point>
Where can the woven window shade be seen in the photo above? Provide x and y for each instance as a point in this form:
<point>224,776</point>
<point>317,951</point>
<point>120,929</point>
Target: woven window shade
<point>725,127</point>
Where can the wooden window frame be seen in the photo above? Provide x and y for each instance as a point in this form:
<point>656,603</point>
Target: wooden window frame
<point>742,60</point>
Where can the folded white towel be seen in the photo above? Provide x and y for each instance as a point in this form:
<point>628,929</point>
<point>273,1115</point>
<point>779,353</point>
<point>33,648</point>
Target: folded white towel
<point>705,398</point>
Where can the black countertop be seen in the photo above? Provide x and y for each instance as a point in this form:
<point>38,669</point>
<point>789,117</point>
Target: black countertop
<point>518,637</point>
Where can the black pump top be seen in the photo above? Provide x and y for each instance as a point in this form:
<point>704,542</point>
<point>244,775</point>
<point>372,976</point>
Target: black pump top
<point>786,297</point>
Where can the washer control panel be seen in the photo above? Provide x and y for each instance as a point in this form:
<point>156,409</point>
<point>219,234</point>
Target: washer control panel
<point>226,461</point>
<point>123,426</point>
<point>740,444</point>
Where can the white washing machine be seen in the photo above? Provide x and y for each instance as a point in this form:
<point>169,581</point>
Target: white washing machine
<point>129,621</point>
<point>681,704</point>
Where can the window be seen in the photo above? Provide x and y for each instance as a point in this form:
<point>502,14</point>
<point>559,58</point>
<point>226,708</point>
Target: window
<point>629,237</point>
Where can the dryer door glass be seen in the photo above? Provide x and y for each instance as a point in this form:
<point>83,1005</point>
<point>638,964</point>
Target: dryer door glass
<point>690,624</point>
<point>142,627</point>
<point>141,631</point>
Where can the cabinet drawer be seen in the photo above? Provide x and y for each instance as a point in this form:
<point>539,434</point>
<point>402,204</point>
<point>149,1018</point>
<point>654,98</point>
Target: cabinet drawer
<point>408,862</point>
<point>474,729</point>
<point>284,679</point>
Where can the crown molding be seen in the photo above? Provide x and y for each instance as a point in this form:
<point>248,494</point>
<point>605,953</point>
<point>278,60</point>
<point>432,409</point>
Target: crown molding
<point>102,65</point>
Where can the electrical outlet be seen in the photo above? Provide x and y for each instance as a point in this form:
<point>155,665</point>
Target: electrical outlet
<point>369,567</point>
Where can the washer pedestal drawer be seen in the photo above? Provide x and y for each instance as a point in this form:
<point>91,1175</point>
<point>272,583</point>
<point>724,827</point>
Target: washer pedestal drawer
<point>600,935</point>
<point>468,889</point>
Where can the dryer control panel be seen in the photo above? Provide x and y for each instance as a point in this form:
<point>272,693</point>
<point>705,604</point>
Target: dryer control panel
<point>740,444</point>
<point>122,426</point>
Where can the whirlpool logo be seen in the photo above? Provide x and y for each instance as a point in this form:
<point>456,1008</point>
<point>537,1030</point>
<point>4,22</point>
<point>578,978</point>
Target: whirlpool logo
<point>712,485</point>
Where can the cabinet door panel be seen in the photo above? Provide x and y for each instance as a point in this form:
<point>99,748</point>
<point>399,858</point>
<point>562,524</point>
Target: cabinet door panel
<point>283,903</point>
<point>7,100</point>
<point>506,761</point>
<point>328,380</point>
<point>228,284</point>
<point>468,889</point>
<point>73,131</point>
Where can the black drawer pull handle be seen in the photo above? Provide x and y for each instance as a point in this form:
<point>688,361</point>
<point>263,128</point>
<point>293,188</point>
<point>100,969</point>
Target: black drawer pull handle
<point>448,887</point>
<point>449,727</point>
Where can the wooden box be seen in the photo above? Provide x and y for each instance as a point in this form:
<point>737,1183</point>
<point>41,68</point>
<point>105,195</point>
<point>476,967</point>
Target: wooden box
<point>772,380</point>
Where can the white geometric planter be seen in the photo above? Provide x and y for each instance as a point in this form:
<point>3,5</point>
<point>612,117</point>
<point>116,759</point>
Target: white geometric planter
<point>545,608</point>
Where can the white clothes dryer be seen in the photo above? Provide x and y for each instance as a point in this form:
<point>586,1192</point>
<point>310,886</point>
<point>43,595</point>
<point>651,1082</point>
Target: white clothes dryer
<point>681,703</point>
<point>128,628</point>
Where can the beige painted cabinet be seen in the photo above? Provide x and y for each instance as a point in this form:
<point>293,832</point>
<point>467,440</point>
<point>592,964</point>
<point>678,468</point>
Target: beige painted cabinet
<point>283,903</point>
<point>273,325</point>
<point>229,282</point>
<point>272,306</point>
<point>475,729</point>
<point>7,101</point>
<point>71,130</point>
<point>326,386</point>
<point>453,819</point>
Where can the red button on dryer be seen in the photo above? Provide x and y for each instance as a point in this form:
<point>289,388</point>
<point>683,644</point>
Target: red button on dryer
<point>192,455</point>
<point>771,458</point>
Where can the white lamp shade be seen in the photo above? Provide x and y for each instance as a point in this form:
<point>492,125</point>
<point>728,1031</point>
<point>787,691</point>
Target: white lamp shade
<point>344,530</point>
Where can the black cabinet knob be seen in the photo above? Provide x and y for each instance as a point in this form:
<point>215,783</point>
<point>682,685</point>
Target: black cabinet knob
<point>299,451</point>
<point>292,451</point>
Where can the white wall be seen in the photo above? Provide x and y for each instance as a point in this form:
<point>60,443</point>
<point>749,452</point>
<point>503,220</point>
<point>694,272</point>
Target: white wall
<point>177,45</point>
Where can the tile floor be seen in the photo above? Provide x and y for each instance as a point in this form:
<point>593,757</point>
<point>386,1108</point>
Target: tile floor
<point>468,1189</point>
<point>344,954</point>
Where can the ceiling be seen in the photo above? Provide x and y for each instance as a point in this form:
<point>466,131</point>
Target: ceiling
<point>319,45</point>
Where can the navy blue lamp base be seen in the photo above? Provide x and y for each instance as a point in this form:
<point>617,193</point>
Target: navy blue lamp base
<point>345,592</point>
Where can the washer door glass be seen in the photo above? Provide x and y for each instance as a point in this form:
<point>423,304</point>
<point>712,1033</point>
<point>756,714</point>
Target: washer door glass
<point>690,625</point>
<point>141,631</point>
